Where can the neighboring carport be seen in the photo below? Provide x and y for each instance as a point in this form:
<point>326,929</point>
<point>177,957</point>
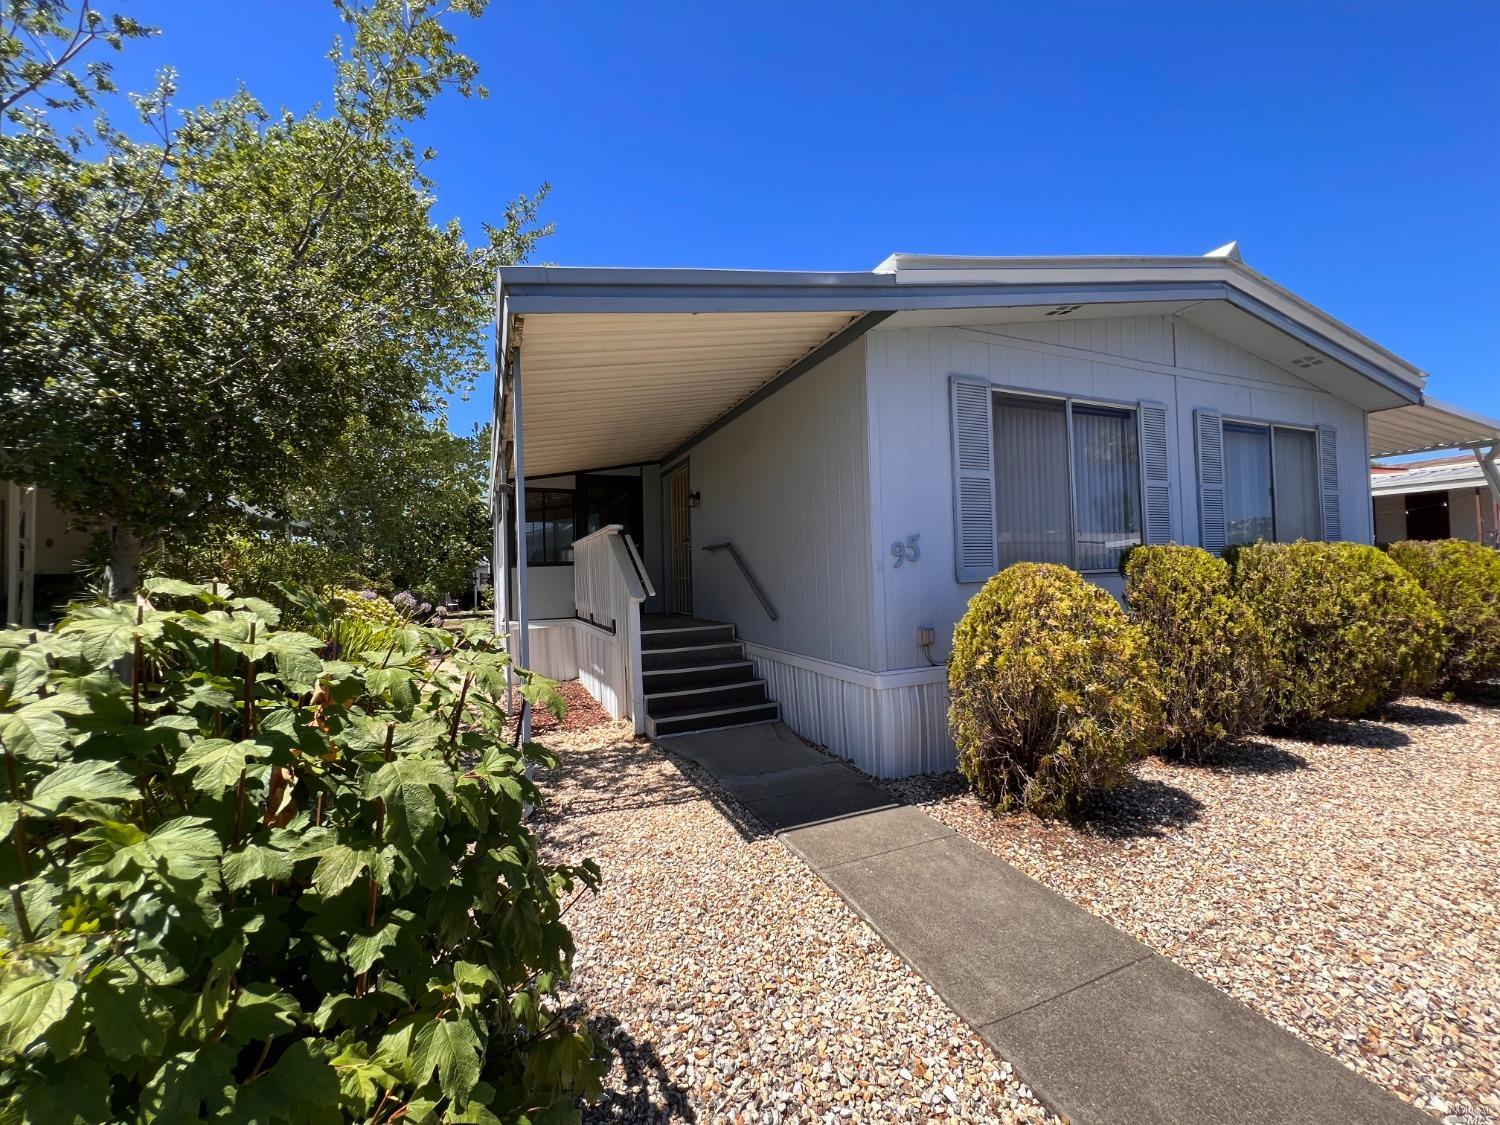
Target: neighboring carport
<point>1432,427</point>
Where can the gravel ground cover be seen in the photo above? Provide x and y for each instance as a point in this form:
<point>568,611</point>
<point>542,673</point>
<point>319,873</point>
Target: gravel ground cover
<point>1348,889</point>
<point>731,983</point>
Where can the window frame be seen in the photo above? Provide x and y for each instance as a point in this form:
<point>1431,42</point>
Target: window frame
<point>579,508</point>
<point>1132,410</point>
<point>1270,429</point>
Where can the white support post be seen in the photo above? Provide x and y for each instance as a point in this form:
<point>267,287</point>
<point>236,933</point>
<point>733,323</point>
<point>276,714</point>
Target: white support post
<point>1487,459</point>
<point>12,554</point>
<point>521,647</point>
<point>28,541</point>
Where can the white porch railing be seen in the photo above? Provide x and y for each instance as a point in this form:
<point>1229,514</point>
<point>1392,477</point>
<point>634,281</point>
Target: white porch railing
<point>609,585</point>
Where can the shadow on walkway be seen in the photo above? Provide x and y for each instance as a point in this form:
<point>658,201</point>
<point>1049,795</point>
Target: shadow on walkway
<point>1250,756</point>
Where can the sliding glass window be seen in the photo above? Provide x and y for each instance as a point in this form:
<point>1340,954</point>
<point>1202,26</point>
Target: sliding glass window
<point>1067,482</point>
<point>1270,483</point>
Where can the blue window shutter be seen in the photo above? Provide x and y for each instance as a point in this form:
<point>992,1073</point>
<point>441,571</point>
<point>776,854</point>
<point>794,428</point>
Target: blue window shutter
<point>1208,426</point>
<point>974,550</point>
<point>1328,480</point>
<point>1156,482</point>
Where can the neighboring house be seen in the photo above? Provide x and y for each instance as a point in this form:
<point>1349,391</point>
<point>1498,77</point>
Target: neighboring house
<point>831,464</point>
<point>39,555</point>
<point>1440,498</point>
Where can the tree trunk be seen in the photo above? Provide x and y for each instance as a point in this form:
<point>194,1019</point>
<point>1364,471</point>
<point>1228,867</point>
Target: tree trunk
<point>123,574</point>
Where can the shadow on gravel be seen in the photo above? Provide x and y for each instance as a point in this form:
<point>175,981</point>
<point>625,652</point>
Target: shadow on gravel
<point>649,1094</point>
<point>1367,734</point>
<point>1248,757</point>
<point>1143,809</point>
<point>1418,715</point>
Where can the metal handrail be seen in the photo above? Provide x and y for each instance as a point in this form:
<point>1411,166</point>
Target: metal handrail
<point>755,587</point>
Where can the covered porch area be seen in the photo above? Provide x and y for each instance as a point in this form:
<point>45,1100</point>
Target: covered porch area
<point>1435,497</point>
<point>595,397</point>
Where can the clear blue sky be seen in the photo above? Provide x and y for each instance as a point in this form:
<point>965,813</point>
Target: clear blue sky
<point>1351,148</point>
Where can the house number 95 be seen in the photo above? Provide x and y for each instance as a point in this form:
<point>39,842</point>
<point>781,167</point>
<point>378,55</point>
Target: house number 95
<point>908,551</point>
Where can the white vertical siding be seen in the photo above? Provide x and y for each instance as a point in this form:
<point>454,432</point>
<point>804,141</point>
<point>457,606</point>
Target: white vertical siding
<point>1121,360</point>
<point>787,483</point>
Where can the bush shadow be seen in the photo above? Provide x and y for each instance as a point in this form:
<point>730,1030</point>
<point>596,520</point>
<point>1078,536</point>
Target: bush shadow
<point>649,1093</point>
<point>1414,714</point>
<point>1246,757</point>
<point>1364,733</point>
<point>1143,809</point>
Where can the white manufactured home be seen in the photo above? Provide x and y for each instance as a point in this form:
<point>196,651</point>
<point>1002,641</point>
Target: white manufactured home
<point>731,496</point>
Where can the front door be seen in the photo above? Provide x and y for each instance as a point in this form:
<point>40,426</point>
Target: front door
<point>679,542</point>
<point>1427,515</point>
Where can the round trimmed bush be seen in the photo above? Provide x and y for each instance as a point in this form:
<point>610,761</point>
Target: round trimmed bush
<point>1349,629</point>
<point>1211,651</point>
<point>1051,690</point>
<point>1463,580</point>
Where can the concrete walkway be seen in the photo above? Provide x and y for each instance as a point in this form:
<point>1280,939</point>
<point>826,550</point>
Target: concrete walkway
<point>1102,1028</point>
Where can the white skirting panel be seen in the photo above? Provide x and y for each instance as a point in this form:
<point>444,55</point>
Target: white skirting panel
<point>603,667</point>
<point>890,724</point>
<point>554,650</point>
<point>565,649</point>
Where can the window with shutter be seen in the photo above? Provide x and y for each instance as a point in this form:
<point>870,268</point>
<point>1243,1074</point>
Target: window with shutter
<point>1156,483</point>
<point>1328,479</point>
<point>973,481</point>
<point>1208,428</point>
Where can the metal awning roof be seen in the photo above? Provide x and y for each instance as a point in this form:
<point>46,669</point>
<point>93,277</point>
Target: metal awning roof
<point>607,390</point>
<point>1428,427</point>
<point>1426,477</point>
<point>625,366</point>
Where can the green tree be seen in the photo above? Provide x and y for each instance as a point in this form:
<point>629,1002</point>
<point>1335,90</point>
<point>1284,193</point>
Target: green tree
<point>191,322</point>
<point>402,503</point>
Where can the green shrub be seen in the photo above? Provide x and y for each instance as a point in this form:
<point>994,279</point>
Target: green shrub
<point>261,566</point>
<point>1349,629</point>
<point>365,606</point>
<point>1463,580</point>
<point>1051,690</point>
<point>1211,651</point>
<point>262,885</point>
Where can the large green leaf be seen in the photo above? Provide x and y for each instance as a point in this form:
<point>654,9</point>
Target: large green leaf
<point>302,1088</point>
<point>129,1017</point>
<point>189,1083</point>
<point>256,862</point>
<point>410,787</point>
<point>339,866</point>
<point>83,781</point>
<point>216,763</point>
<point>450,1047</point>
<point>38,730</point>
<point>29,1005</point>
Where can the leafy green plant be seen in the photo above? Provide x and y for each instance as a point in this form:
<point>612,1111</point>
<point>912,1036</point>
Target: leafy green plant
<point>255,883</point>
<point>1349,629</point>
<point>263,565</point>
<point>1463,580</point>
<point>1211,652</point>
<point>1051,690</point>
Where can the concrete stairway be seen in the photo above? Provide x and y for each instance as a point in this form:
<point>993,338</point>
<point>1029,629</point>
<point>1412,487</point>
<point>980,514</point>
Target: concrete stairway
<point>697,677</point>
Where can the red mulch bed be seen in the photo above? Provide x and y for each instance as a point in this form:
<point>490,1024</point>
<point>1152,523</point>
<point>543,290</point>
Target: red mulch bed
<point>583,711</point>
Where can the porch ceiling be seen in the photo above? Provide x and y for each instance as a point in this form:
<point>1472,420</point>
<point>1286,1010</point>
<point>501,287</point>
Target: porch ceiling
<point>1427,427</point>
<point>602,389</point>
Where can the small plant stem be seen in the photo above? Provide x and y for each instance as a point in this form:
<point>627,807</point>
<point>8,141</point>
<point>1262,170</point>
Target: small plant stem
<point>318,811</point>
<point>19,832</point>
<point>239,809</point>
<point>362,984</point>
<point>458,709</point>
<point>20,905</point>
<point>249,720</point>
<point>515,742</point>
<point>218,717</point>
<point>136,665</point>
<point>260,1062</point>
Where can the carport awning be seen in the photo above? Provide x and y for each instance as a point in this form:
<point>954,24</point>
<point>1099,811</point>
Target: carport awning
<point>1428,427</point>
<point>600,390</point>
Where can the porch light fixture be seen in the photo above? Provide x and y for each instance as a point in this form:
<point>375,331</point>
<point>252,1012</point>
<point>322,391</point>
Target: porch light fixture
<point>694,499</point>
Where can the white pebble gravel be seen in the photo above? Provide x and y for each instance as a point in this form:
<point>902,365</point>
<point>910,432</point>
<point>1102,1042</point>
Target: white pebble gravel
<point>732,983</point>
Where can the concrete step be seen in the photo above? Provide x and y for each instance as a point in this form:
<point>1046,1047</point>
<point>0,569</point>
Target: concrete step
<point>712,719</point>
<point>691,656</point>
<point>678,636</point>
<point>739,694</point>
<point>695,676</point>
